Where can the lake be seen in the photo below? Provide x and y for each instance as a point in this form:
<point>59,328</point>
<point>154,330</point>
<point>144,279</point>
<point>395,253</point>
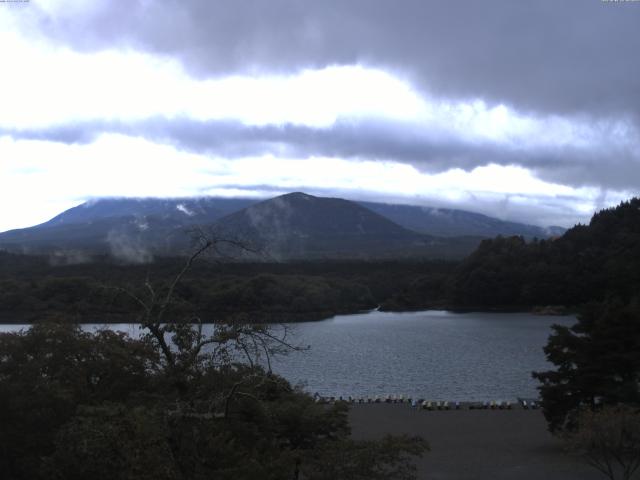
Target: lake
<point>431,354</point>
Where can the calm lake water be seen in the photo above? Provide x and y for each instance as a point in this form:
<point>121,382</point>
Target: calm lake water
<point>433,354</point>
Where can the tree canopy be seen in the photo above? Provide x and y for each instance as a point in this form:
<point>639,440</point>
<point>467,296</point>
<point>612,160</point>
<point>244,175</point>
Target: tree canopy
<point>175,404</point>
<point>597,363</point>
<point>588,263</point>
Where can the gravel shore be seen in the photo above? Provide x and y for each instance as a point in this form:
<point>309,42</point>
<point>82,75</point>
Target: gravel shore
<point>475,444</point>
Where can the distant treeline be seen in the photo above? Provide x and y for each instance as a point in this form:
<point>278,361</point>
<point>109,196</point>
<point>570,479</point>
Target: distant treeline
<point>101,290</point>
<point>588,263</point>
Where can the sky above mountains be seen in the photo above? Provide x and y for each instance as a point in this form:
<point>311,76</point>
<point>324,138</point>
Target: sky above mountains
<point>526,111</point>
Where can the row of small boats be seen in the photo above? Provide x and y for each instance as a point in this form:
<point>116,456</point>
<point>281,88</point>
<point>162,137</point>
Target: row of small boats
<point>424,404</point>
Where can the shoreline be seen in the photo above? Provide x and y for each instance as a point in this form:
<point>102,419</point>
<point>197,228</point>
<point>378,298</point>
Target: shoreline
<point>289,317</point>
<point>541,310</point>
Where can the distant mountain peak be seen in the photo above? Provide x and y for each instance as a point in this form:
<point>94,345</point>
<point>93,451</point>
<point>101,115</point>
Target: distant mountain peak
<point>294,224</point>
<point>307,214</point>
<point>297,195</point>
<point>298,225</point>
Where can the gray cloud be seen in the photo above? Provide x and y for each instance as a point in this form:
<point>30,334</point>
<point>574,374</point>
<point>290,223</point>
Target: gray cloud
<point>545,56</point>
<point>573,57</point>
<point>606,164</point>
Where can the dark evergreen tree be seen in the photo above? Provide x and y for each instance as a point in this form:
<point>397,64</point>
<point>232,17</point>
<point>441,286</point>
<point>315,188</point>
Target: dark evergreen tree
<point>597,363</point>
<point>588,263</point>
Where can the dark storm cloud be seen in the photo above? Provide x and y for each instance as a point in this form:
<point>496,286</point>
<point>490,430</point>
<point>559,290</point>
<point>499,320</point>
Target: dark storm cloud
<point>572,58</point>
<point>607,165</point>
<point>543,56</point>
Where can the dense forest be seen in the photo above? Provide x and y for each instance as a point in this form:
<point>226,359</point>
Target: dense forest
<point>588,263</point>
<point>34,288</point>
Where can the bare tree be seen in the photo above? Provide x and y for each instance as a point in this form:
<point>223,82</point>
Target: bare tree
<point>186,349</point>
<point>609,440</point>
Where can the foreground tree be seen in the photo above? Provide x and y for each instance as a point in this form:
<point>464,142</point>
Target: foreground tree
<point>181,403</point>
<point>609,440</point>
<point>47,372</point>
<point>598,363</point>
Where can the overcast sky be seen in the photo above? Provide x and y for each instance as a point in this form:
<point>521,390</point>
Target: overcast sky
<point>524,110</point>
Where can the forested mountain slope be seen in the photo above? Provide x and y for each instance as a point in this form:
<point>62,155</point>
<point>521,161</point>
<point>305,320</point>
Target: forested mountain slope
<point>589,262</point>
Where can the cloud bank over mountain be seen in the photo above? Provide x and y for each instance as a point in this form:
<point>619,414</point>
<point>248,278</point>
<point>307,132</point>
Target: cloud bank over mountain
<point>528,111</point>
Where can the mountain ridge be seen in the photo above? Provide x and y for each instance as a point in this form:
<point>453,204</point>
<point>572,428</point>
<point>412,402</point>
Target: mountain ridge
<point>448,222</point>
<point>139,227</point>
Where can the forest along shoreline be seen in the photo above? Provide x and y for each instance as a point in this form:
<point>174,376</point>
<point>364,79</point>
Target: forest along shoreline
<point>32,290</point>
